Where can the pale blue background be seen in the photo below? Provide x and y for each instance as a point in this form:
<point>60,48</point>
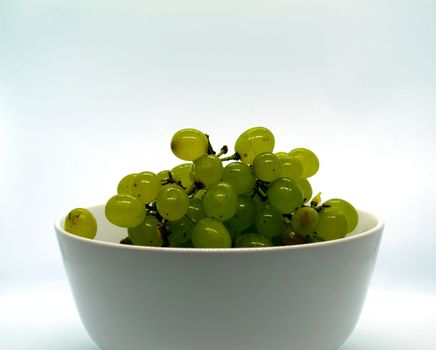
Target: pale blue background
<point>92,90</point>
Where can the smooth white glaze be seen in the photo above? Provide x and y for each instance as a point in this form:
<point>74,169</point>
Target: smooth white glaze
<point>306,297</point>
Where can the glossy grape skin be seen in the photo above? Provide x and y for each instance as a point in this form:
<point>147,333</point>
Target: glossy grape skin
<point>189,144</point>
<point>211,233</point>
<point>147,233</point>
<point>195,210</point>
<point>292,168</point>
<point>267,166</point>
<point>220,201</point>
<point>305,221</point>
<point>347,209</point>
<point>180,232</point>
<point>306,189</point>
<point>146,186</point>
<point>285,195</point>
<point>164,176</point>
<point>269,222</point>
<point>207,169</point>
<point>252,240</point>
<point>308,159</point>
<point>244,216</point>
<point>240,176</point>
<point>332,224</point>
<point>125,184</point>
<point>125,210</point>
<point>81,222</point>
<point>253,142</point>
<point>182,174</point>
<point>172,202</point>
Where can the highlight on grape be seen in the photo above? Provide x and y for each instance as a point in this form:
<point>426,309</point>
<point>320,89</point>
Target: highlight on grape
<point>256,197</point>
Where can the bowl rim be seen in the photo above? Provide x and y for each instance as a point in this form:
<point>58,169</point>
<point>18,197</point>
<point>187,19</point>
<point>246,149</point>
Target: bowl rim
<point>377,228</point>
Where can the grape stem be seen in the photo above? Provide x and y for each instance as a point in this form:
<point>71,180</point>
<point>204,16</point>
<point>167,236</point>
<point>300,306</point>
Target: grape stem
<point>223,150</point>
<point>259,189</point>
<point>209,146</point>
<point>235,156</point>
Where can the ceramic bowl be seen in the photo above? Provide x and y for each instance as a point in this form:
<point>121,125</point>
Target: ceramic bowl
<point>305,297</point>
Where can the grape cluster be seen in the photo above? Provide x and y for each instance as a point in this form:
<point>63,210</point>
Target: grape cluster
<point>254,198</point>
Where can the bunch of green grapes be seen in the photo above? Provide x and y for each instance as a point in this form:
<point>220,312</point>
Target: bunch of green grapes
<point>256,197</point>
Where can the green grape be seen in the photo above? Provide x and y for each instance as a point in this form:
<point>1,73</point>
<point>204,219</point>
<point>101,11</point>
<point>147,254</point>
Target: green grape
<point>269,222</point>
<point>305,221</point>
<point>146,233</point>
<point>282,155</point>
<point>211,233</point>
<point>164,176</point>
<point>240,176</point>
<point>253,240</point>
<point>81,222</point>
<point>347,209</point>
<point>207,169</point>
<point>189,144</point>
<point>220,201</point>
<point>125,185</point>
<point>195,210</point>
<point>172,202</point>
<point>253,142</point>
<point>267,166</point>
<point>182,174</point>
<point>306,188</point>
<point>125,210</point>
<point>292,168</point>
<point>332,224</point>
<point>146,186</point>
<point>308,159</point>
<point>180,232</point>
<point>285,195</point>
<point>290,237</point>
<point>244,216</point>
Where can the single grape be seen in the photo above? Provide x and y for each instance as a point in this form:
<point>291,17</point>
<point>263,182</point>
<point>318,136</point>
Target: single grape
<point>182,174</point>
<point>269,222</point>
<point>244,216</point>
<point>189,144</point>
<point>290,237</point>
<point>292,168</point>
<point>146,186</point>
<point>285,195</point>
<point>308,159</point>
<point>81,222</point>
<point>332,224</point>
<point>267,166</point>
<point>306,188</point>
<point>305,221</point>
<point>146,233</point>
<point>164,176</point>
<point>125,184</point>
<point>211,233</point>
<point>172,202</point>
<point>253,240</point>
<point>347,209</point>
<point>125,210</point>
<point>253,142</point>
<point>240,176</point>
<point>195,210</point>
<point>220,201</point>
<point>180,232</point>
<point>207,169</point>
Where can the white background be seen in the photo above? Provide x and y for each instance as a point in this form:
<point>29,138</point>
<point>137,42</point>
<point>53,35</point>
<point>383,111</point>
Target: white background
<point>91,91</point>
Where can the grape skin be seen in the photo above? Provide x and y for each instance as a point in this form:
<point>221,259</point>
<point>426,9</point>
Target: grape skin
<point>81,222</point>
<point>259,198</point>
<point>189,144</point>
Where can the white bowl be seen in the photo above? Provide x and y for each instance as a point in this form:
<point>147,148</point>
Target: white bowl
<point>306,297</point>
